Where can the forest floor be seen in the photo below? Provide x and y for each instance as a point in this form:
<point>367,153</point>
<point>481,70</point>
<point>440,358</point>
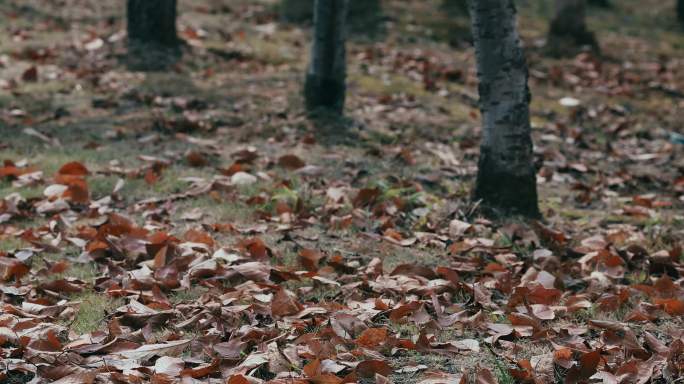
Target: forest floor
<point>196,223</point>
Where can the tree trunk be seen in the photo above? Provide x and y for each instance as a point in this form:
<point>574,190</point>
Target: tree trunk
<point>455,7</point>
<point>680,11</point>
<point>569,27</point>
<point>506,179</point>
<point>325,80</point>
<point>364,15</point>
<point>296,11</point>
<point>458,22</point>
<point>600,3</point>
<point>152,37</point>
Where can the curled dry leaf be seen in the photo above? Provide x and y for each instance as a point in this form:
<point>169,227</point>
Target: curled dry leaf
<point>291,162</point>
<point>310,258</point>
<point>284,305</point>
<point>372,337</point>
<point>370,368</point>
<point>148,351</point>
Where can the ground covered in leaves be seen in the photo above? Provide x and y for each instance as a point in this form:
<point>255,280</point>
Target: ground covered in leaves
<point>195,226</point>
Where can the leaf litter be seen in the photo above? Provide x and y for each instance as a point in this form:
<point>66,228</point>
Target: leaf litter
<point>288,295</point>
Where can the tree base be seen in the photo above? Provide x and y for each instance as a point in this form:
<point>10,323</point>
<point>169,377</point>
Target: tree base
<point>152,57</point>
<point>324,93</point>
<point>568,34</point>
<point>503,193</point>
<point>565,45</point>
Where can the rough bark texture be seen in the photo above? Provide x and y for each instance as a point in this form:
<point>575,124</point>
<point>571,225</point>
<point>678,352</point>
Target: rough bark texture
<point>364,16</point>
<point>506,179</point>
<point>152,37</point>
<point>325,80</point>
<point>569,27</point>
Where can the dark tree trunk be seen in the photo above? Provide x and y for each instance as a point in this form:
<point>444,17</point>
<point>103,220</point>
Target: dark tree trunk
<point>456,7</point>
<point>680,11</point>
<point>600,3</point>
<point>458,23</point>
<point>569,28</point>
<point>296,11</point>
<point>364,15</point>
<point>506,180</point>
<point>326,77</point>
<point>152,37</point>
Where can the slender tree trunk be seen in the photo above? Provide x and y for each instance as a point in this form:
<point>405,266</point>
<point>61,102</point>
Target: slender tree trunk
<point>680,11</point>
<point>506,179</point>
<point>152,35</point>
<point>600,3</point>
<point>458,23</point>
<point>364,15</point>
<point>326,77</point>
<point>456,7</point>
<point>569,27</point>
<point>296,11</point>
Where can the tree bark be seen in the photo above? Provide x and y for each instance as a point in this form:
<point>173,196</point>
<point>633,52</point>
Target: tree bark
<point>364,15</point>
<point>296,11</point>
<point>569,27</point>
<point>152,22</point>
<point>458,24</point>
<point>506,180</point>
<point>600,3</point>
<point>456,7</point>
<point>152,35</point>
<point>325,85</point>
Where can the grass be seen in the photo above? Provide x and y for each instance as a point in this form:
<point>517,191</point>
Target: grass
<point>404,330</point>
<point>49,161</point>
<point>273,52</point>
<point>86,272</point>
<point>503,375</point>
<point>288,258</point>
<point>220,211</point>
<point>25,192</point>
<point>529,349</point>
<point>82,271</point>
<point>187,295</point>
<point>387,86</point>
<point>320,293</point>
<point>101,186</point>
<point>92,311</point>
<point>10,244</point>
<point>167,84</point>
<point>438,362</point>
<point>393,256</point>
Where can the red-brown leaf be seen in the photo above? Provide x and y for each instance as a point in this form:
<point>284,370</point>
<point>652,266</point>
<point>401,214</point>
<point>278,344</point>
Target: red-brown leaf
<point>291,162</point>
<point>309,258</point>
<point>284,305</point>
<point>369,368</point>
